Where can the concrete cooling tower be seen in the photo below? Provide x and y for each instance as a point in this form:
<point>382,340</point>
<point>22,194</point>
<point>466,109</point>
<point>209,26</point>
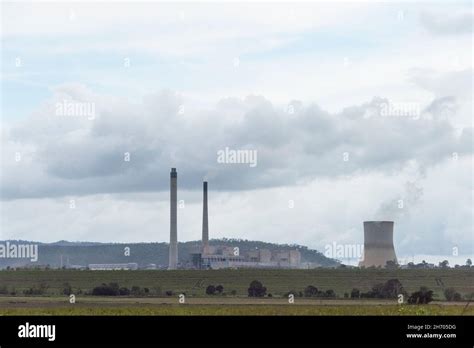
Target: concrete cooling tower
<point>378,243</point>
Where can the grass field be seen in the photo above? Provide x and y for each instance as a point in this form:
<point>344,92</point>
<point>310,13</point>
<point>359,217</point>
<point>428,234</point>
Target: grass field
<point>194,283</point>
<point>219,306</point>
<point>277,282</point>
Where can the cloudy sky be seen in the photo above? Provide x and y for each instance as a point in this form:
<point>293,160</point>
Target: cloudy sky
<point>356,111</point>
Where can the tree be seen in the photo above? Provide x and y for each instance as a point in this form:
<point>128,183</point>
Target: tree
<point>124,291</point>
<point>67,290</point>
<point>256,289</point>
<point>136,291</point>
<point>444,264</point>
<point>211,290</point>
<point>469,262</point>
<point>106,290</point>
<point>220,289</point>
<point>390,264</point>
<point>310,291</point>
<point>392,288</point>
<point>452,295</point>
<point>422,296</point>
<point>355,293</point>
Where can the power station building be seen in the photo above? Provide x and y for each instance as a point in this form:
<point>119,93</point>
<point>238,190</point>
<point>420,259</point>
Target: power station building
<point>113,266</point>
<point>214,257</point>
<point>378,244</point>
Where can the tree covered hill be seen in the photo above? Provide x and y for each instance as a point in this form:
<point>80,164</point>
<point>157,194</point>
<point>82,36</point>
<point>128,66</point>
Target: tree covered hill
<point>64,253</point>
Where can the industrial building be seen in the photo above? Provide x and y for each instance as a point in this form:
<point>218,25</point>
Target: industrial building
<point>113,266</point>
<point>215,257</point>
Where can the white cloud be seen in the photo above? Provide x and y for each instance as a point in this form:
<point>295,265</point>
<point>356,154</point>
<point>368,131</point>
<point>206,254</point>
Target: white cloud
<point>338,63</point>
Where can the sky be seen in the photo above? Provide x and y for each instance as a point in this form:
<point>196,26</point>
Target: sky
<point>355,111</point>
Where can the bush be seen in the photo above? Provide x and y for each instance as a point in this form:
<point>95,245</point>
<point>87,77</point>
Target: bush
<point>452,295</point>
<point>220,289</point>
<point>136,291</point>
<point>33,291</point>
<point>391,289</point>
<point>169,293</point>
<point>256,289</point>
<point>124,292</point>
<point>355,293</point>
<point>211,290</point>
<point>422,296</point>
<point>106,290</point>
<point>67,290</point>
<point>310,291</point>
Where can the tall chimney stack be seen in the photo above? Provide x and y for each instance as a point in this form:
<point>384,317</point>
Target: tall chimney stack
<point>173,261</point>
<point>205,221</point>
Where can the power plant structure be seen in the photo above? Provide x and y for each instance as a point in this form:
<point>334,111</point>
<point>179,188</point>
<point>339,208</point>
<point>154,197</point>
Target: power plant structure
<point>220,256</point>
<point>173,254</point>
<point>205,221</point>
<point>378,244</point>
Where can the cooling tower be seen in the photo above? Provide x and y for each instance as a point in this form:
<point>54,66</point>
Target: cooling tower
<point>173,262</point>
<point>205,221</point>
<point>378,243</point>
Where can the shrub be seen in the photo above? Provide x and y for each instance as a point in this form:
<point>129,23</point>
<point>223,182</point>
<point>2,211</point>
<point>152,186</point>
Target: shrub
<point>105,290</point>
<point>256,289</point>
<point>391,289</point>
<point>40,290</point>
<point>422,296</point>
<point>355,293</point>
<point>310,291</point>
<point>211,290</point>
<point>124,291</point>
<point>67,290</point>
<point>136,291</point>
<point>452,295</point>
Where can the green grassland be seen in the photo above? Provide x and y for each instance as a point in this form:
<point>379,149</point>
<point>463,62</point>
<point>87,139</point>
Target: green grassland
<point>277,282</point>
<point>244,310</point>
<point>193,283</point>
